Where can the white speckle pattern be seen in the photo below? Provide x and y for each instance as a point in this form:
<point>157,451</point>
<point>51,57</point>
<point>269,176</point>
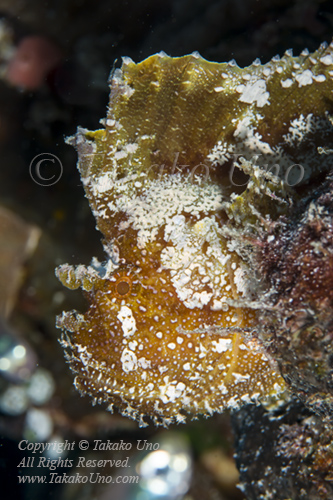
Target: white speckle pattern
<point>222,345</point>
<point>127,320</point>
<point>129,360</point>
<point>304,78</point>
<point>254,92</point>
<point>327,60</point>
<point>286,83</point>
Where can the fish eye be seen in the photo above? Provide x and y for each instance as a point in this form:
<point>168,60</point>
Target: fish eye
<point>123,287</point>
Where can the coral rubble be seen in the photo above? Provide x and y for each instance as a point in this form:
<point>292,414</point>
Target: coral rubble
<point>295,462</point>
<point>298,265</point>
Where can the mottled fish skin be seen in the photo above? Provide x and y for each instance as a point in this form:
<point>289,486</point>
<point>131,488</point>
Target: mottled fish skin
<point>169,329</point>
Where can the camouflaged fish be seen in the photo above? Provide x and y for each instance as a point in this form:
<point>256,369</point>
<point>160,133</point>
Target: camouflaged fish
<point>193,157</point>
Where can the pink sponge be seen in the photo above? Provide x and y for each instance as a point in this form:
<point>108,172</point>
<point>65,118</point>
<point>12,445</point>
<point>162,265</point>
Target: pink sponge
<point>33,60</point>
